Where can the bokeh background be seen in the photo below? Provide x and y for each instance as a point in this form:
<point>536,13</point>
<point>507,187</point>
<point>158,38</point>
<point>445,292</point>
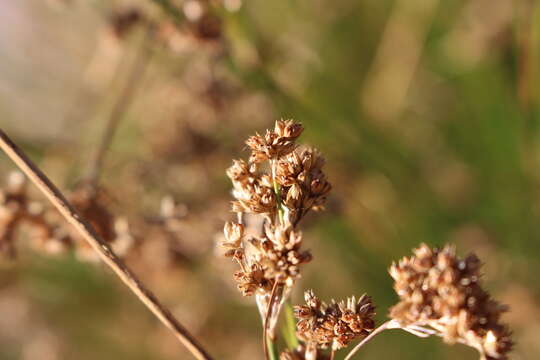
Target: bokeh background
<point>426,110</point>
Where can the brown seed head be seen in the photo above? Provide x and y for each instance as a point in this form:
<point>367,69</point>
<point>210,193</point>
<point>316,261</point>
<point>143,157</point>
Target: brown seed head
<point>282,191</point>
<point>336,324</point>
<point>439,290</point>
<point>274,144</point>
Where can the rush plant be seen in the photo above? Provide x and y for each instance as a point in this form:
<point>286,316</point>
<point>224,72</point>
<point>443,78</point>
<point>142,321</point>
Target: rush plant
<point>440,294</point>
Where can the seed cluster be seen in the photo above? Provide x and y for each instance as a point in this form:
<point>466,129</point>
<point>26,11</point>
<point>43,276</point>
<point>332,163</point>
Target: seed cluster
<point>282,193</point>
<point>48,232</point>
<point>439,290</point>
<point>335,324</point>
<point>91,202</point>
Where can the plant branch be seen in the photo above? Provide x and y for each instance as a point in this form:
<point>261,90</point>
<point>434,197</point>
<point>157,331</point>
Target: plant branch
<point>100,246</point>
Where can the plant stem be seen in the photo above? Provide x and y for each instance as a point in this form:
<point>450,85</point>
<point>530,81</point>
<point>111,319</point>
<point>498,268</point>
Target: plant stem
<point>272,351</point>
<point>289,329</point>
<point>390,324</point>
<point>101,247</point>
<point>124,100</point>
<point>268,342</point>
<point>277,191</point>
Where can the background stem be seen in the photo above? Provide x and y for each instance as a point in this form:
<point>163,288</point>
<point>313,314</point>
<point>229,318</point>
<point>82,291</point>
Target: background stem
<point>124,101</point>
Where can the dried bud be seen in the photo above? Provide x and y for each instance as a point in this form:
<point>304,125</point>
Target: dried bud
<point>233,234</point>
<point>274,144</point>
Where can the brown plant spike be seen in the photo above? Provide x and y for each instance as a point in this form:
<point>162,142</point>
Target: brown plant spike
<point>282,197</point>
<point>441,291</point>
<point>279,185</point>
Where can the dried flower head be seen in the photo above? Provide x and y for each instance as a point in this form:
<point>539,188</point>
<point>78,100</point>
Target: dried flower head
<point>48,232</point>
<point>302,182</point>
<point>441,291</point>
<point>275,143</point>
<point>335,324</point>
<point>280,193</point>
<point>254,193</point>
<point>293,185</point>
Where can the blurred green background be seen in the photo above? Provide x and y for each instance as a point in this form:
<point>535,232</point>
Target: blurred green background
<point>427,112</point>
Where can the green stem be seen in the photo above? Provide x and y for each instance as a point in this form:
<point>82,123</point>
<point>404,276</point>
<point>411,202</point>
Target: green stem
<point>272,350</point>
<point>289,328</point>
<point>277,191</point>
<point>171,9</point>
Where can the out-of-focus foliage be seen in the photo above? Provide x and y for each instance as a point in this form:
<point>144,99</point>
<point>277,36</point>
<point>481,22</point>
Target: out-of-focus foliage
<point>427,112</point>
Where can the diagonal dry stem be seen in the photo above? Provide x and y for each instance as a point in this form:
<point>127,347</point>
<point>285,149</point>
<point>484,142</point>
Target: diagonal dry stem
<point>101,247</point>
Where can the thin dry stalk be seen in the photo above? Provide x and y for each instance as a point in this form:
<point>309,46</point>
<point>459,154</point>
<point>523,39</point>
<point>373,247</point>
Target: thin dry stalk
<point>101,247</point>
<point>391,324</point>
<point>124,100</point>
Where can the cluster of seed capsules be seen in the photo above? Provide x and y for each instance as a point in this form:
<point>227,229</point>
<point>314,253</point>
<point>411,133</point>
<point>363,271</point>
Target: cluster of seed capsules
<point>47,230</point>
<point>280,183</point>
<point>439,290</point>
<point>336,324</point>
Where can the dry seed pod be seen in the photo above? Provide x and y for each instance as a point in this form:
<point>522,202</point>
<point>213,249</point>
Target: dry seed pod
<point>439,290</point>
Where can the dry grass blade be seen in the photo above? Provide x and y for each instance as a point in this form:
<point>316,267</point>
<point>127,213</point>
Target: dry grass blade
<point>101,247</point>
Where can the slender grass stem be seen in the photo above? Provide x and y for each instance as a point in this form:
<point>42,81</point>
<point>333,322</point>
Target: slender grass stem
<point>101,247</point>
<point>268,342</point>
<point>125,98</point>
